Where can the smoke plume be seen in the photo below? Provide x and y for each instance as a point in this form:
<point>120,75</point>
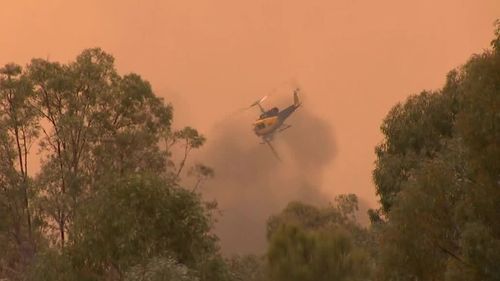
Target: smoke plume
<point>250,184</point>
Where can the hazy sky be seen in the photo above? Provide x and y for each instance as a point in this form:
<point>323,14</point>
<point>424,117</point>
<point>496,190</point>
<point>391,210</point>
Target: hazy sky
<point>354,59</point>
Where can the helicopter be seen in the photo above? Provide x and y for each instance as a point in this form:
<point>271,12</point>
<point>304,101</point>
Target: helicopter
<point>272,121</point>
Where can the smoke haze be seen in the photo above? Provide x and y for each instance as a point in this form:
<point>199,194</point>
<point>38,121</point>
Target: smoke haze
<point>356,58</point>
<point>251,184</point>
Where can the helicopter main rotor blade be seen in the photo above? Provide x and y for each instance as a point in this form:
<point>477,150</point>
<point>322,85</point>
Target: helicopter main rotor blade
<point>258,102</point>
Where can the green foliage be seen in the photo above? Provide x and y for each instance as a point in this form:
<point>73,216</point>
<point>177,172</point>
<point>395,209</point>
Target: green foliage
<point>190,136</point>
<point>97,126</point>
<point>213,268</point>
<point>437,175</point>
<point>160,269</point>
<point>107,203</point>
<point>247,268</point>
<point>49,264</point>
<point>481,251</point>
<point>303,215</point>
<point>310,243</point>
<point>139,218</point>
<point>18,130</point>
<point>341,214</point>
<point>107,195</point>
<point>190,139</point>
<point>495,43</point>
<point>103,127</point>
<point>297,254</point>
<point>419,235</point>
<point>413,133</point>
<point>201,173</point>
<point>347,205</point>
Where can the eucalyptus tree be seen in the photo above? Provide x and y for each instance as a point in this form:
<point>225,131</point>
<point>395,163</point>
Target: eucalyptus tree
<point>18,132</point>
<point>97,125</point>
<point>437,175</point>
<point>311,243</point>
<point>109,194</point>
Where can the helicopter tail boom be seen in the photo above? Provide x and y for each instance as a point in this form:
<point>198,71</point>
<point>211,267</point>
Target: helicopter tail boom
<point>285,113</point>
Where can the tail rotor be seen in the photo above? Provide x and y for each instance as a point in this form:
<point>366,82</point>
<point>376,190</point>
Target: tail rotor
<point>296,100</point>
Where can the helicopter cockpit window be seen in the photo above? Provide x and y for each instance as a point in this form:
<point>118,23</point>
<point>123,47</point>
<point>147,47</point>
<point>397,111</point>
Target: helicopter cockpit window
<point>272,112</point>
<point>260,126</point>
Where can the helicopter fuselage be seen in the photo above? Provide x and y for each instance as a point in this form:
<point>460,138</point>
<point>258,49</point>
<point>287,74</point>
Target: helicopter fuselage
<point>266,125</point>
<point>270,121</point>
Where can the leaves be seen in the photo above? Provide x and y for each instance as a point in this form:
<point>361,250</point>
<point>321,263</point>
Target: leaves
<point>298,254</point>
<point>138,218</point>
<point>160,269</point>
<point>437,175</point>
<point>106,193</point>
<point>310,243</point>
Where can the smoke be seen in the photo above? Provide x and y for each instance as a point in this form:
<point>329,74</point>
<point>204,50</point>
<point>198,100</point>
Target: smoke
<point>250,184</point>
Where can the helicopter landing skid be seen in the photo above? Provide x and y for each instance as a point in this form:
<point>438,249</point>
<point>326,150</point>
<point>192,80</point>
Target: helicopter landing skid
<point>287,126</point>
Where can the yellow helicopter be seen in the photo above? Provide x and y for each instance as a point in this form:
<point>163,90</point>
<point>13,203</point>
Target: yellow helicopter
<point>273,121</point>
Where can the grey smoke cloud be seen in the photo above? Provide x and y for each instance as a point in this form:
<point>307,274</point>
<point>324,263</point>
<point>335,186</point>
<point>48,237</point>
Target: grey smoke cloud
<point>250,184</point>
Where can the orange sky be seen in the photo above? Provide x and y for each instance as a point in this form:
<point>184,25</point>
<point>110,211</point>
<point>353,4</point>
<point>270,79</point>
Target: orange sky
<point>353,58</point>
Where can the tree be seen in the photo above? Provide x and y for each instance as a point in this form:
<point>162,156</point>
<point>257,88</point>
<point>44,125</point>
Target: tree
<point>190,139</point>
<point>160,269</point>
<point>478,126</point>
<point>100,152</point>
<point>310,243</point>
<point>437,174</point>
<point>247,268</point>
<point>18,130</point>
<point>413,133</point>
<point>99,125</point>
<point>139,218</point>
<point>297,254</point>
<point>201,173</point>
<point>420,235</point>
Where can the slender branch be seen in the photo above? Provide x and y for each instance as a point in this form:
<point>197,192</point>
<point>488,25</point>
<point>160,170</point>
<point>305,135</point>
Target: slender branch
<point>59,155</point>
<point>187,148</point>
<point>453,255</point>
<point>198,182</point>
<point>25,184</point>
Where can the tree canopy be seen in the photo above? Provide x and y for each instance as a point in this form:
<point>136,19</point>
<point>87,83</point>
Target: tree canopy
<point>438,173</point>
<point>108,202</point>
<point>107,198</point>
